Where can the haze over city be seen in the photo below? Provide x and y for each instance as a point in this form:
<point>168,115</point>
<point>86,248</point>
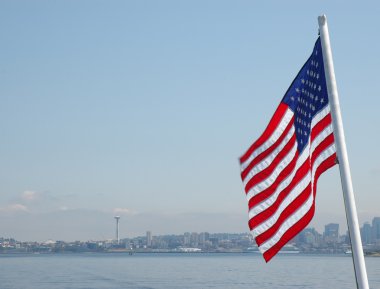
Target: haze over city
<point>141,109</point>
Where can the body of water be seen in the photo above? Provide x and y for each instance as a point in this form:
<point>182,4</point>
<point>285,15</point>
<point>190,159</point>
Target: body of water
<point>184,271</point>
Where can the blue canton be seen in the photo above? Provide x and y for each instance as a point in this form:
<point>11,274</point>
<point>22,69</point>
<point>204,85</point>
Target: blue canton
<point>307,95</point>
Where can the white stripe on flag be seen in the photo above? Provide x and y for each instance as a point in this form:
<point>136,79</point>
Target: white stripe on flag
<point>268,160</point>
<point>272,139</point>
<point>320,115</point>
<point>293,219</point>
<point>295,192</point>
<point>269,201</point>
<point>272,178</point>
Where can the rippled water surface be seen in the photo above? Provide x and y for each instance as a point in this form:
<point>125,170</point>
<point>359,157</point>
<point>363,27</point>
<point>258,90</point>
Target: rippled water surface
<point>185,271</point>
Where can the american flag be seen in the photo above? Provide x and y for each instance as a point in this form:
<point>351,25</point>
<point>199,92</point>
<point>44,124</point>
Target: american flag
<point>281,168</point>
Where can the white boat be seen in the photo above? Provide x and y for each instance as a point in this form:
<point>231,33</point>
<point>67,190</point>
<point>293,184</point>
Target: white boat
<point>289,249</point>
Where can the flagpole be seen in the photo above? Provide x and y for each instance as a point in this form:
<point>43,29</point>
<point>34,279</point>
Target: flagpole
<point>345,174</point>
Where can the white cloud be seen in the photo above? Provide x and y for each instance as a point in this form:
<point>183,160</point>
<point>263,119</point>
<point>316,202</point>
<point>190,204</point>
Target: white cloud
<point>14,208</point>
<point>29,195</point>
<point>124,211</point>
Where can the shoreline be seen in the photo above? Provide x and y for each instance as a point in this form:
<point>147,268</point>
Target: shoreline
<point>129,253</point>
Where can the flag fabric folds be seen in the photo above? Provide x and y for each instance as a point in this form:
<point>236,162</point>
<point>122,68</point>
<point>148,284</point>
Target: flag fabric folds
<point>281,168</point>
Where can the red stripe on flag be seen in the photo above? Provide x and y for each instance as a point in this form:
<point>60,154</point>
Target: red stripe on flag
<point>276,119</point>
<point>290,234</point>
<point>264,174</point>
<point>320,126</point>
<point>286,213</point>
<point>263,216</point>
<point>267,152</point>
<point>328,141</point>
<point>272,188</point>
<point>324,166</point>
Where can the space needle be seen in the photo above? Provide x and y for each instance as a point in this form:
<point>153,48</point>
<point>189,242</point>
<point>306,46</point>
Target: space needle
<point>117,218</point>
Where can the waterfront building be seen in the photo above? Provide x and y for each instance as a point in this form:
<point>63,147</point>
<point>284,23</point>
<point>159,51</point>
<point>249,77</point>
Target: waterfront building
<point>149,239</point>
<point>376,230</point>
<point>194,239</point>
<point>366,233</point>
<point>203,238</point>
<point>331,233</point>
<point>186,239</point>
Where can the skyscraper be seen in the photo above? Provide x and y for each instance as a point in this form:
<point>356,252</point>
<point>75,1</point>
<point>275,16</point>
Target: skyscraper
<point>149,239</point>
<point>366,233</point>
<point>376,229</point>
<point>194,239</point>
<point>117,218</point>
<point>331,233</point>
<point>203,238</point>
<point>186,239</point>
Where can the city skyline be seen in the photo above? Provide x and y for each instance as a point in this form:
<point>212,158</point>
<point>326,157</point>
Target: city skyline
<point>369,229</point>
<point>308,241</point>
<point>141,109</point>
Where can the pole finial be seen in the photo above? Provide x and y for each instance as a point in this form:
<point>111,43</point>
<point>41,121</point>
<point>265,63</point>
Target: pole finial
<point>322,19</point>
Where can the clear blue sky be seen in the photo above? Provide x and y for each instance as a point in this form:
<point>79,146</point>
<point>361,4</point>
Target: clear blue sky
<point>142,108</point>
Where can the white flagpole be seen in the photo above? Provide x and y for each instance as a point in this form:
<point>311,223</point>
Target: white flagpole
<point>345,174</point>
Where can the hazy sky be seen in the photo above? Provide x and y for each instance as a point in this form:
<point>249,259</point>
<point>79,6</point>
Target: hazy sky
<point>142,108</point>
